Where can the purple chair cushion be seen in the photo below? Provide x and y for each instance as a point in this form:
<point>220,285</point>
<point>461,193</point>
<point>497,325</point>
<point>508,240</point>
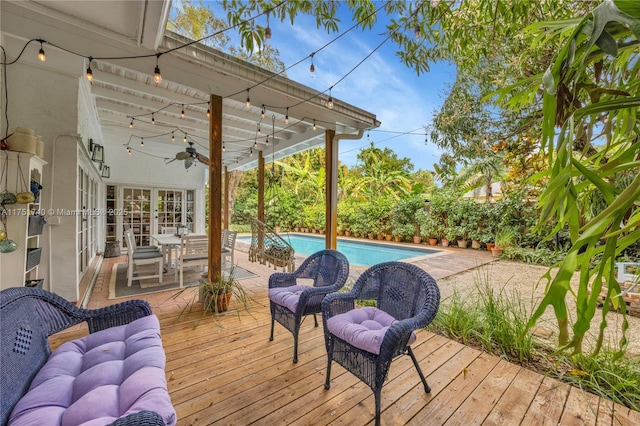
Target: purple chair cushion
<point>99,378</point>
<point>287,296</point>
<point>363,328</point>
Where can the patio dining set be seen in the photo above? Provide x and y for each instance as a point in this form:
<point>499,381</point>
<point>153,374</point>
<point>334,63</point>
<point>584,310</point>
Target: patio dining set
<point>174,251</point>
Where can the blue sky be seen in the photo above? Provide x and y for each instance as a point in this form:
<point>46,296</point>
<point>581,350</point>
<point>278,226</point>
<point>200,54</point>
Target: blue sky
<point>402,101</point>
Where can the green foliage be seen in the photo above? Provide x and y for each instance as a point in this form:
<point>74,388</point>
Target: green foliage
<point>539,256</point>
<point>591,91</point>
<point>285,210</point>
<point>494,320</point>
<point>404,214</point>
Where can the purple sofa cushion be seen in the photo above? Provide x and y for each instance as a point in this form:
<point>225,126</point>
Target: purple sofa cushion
<point>287,296</point>
<point>363,328</point>
<point>99,378</point>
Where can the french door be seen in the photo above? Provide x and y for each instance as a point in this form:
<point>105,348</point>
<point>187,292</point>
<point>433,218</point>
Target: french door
<point>147,210</point>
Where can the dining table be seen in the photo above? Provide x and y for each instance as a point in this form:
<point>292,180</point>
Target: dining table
<point>168,244</point>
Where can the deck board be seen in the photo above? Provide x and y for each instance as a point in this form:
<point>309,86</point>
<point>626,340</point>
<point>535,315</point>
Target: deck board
<point>227,372</point>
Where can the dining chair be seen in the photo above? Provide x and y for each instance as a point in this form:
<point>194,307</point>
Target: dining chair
<point>228,246</point>
<point>291,298</point>
<point>194,251</point>
<point>142,256</point>
<point>364,340</point>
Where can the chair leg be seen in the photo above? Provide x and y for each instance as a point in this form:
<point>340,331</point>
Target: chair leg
<point>376,395</point>
<point>327,382</point>
<point>129,274</point>
<point>427,389</point>
<point>160,269</point>
<point>315,320</point>
<point>272,324</point>
<point>295,346</point>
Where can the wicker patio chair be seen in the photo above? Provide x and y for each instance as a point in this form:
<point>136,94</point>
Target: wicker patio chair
<point>290,300</point>
<point>365,340</point>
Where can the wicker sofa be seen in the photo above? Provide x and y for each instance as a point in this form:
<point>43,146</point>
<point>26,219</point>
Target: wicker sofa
<point>114,375</point>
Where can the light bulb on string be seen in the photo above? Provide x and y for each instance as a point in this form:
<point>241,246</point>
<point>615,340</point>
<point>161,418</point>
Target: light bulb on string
<point>267,140</point>
<point>128,150</point>
<point>312,68</point>
<point>248,102</point>
<point>330,101</point>
<point>41,56</point>
<point>153,119</point>
<point>223,147</point>
<point>89,71</point>
<point>182,112</point>
<point>255,144</point>
<point>251,153</point>
<point>185,138</point>
<point>262,113</point>
<point>417,31</point>
<point>142,142</point>
<point>258,128</point>
<point>208,110</point>
<point>314,124</point>
<point>131,124</point>
<point>157,77</point>
<point>267,31</point>
<point>173,137</point>
<point>286,117</point>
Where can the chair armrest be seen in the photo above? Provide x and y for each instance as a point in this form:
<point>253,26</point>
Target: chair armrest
<point>142,418</point>
<point>337,303</point>
<point>282,279</point>
<point>118,314</point>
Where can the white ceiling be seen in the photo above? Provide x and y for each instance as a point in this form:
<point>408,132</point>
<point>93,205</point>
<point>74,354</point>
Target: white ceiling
<point>124,88</point>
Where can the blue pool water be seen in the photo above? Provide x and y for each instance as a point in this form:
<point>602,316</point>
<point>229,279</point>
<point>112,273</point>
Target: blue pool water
<point>359,253</point>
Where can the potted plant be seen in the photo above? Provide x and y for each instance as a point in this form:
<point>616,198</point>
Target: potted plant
<point>216,295</point>
<point>504,238</point>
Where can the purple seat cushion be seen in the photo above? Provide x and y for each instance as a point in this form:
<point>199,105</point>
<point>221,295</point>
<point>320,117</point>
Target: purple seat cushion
<point>287,296</point>
<point>363,328</point>
<point>99,378</point>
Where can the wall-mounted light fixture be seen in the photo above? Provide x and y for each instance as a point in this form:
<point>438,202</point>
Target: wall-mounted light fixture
<point>106,172</point>
<point>97,152</point>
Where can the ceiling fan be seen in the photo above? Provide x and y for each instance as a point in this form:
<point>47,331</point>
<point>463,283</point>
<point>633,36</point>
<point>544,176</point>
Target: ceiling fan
<point>190,156</point>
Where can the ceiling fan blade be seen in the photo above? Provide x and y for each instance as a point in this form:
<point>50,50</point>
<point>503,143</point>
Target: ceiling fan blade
<point>201,158</point>
<point>182,155</point>
<point>169,160</point>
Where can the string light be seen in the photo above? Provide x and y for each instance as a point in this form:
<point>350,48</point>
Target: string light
<point>142,142</point>
<point>267,140</point>
<point>182,113</point>
<point>312,68</point>
<point>255,143</point>
<point>131,124</point>
<point>417,31</point>
<point>248,102</point>
<point>157,77</point>
<point>286,117</point>
<point>251,153</point>
<point>128,150</point>
<point>173,137</point>
<point>262,113</point>
<point>208,109</point>
<point>267,31</point>
<point>330,101</point>
<point>314,124</point>
<point>258,128</point>
<point>153,120</point>
<point>41,56</point>
<point>185,138</point>
<point>223,147</point>
<point>89,71</point>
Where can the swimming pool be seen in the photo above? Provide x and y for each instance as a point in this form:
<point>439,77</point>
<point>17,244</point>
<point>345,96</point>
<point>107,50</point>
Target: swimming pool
<point>359,253</point>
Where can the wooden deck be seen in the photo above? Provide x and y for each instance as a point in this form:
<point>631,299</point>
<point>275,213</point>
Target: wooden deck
<point>227,372</point>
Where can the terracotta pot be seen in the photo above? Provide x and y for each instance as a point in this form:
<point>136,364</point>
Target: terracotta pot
<point>388,237</point>
<point>222,302</point>
<point>496,251</point>
<point>475,244</point>
<point>445,242</point>
<point>380,237</point>
<point>433,241</point>
<point>490,246</point>
<point>347,233</point>
<point>463,243</point>
<point>397,239</point>
<point>417,239</point>
<point>277,229</point>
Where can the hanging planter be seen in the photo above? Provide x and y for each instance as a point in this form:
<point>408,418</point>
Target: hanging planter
<point>6,197</point>
<point>6,245</point>
<point>23,194</point>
